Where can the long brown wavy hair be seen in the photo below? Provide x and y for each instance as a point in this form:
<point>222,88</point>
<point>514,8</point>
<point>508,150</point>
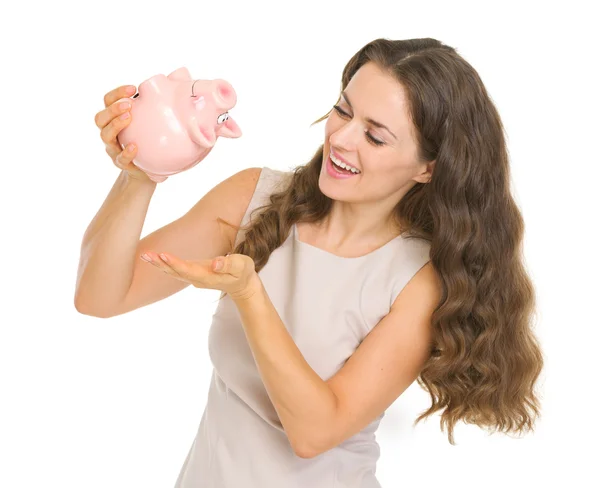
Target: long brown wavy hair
<point>485,358</point>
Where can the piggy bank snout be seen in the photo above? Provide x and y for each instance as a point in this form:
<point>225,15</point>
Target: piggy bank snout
<point>224,95</point>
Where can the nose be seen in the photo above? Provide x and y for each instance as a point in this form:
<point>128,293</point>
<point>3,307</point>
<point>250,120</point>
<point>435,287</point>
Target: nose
<point>224,94</point>
<point>346,137</point>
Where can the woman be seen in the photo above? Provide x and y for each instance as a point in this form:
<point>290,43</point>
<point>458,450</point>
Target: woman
<point>341,285</point>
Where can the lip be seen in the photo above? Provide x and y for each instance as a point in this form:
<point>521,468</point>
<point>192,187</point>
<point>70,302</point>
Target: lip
<point>337,156</point>
<point>333,173</point>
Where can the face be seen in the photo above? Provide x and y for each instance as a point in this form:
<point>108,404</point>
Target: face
<point>386,158</point>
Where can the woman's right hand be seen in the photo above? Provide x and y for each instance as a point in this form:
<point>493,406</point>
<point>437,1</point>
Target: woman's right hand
<point>110,123</point>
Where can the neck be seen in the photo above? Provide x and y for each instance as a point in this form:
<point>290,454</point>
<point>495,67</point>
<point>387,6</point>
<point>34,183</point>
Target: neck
<point>345,229</point>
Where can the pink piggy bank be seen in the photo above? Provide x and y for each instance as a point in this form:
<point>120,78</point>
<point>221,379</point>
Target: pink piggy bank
<point>175,122</point>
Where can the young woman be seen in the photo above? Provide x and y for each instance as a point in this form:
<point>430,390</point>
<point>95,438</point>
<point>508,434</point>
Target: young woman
<point>393,255</point>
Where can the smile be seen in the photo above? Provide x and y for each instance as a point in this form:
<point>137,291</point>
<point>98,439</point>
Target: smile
<point>343,165</point>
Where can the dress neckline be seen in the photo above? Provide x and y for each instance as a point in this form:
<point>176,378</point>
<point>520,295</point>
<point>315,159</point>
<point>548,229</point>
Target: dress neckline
<point>318,249</point>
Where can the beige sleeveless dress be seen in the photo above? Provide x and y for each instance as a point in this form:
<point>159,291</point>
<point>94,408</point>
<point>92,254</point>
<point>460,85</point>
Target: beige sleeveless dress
<point>328,304</point>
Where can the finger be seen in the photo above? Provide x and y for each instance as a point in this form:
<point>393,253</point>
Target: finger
<point>160,262</point>
<point>170,271</point>
<point>232,264</point>
<point>199,273</point>
<point>126,156</point>
<point>104,117</point>
<point>119,92</point>
<point>175,262</point>
<point>109,133</point>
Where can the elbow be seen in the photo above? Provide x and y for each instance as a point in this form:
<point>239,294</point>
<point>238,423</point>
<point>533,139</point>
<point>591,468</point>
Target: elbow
<point>319,438</point>
<point>300,447</point>
<point>305,452</point>
<point>306,449</point>
<point>84,310</point>
<point>79,306</point>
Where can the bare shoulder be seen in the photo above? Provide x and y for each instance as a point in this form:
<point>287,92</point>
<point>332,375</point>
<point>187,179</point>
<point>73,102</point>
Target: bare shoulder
<point>246,180</point>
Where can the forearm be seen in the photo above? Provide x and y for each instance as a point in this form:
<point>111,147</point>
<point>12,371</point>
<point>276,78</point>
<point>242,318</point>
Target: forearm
<point>108,249</point>
<point>304,403</point>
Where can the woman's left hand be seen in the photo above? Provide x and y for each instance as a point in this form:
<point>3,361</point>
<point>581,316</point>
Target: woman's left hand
<point>237,275</point>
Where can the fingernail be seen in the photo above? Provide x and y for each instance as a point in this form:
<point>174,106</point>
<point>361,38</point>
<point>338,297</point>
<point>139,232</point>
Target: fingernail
<point>146,258</point>
<point>218,265</point>
<point>131,89</point>
<point>130,147</point>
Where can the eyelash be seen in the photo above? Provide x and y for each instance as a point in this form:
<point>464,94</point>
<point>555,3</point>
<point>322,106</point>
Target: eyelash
<point>369,136</point>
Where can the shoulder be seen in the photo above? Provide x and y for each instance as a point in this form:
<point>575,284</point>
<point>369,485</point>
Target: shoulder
<point>275,174</point>
<point>241,184</point>
<point>249,191</point>
<point>248,177</point>
<point>271,180</point>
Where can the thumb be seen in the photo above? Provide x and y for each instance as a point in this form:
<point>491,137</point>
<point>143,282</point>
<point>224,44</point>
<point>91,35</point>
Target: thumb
<point>219,263</point>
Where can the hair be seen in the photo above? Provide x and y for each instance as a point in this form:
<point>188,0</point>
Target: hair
<point>485,358</point>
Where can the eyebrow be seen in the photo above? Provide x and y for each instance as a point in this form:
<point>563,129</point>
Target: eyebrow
<point>369,120</point>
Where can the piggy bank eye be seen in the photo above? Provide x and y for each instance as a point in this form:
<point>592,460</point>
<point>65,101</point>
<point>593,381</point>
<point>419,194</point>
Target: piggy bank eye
<point>222,118</point>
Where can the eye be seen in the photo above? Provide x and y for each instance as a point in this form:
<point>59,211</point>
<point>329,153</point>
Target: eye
<point>371,139</point>
<point>222,118</point>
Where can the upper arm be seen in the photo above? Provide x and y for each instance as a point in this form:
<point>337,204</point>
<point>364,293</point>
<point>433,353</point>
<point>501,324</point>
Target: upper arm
<point>196,235</point>
<point>387,361</point>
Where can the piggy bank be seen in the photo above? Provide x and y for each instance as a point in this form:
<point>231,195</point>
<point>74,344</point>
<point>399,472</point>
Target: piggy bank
<point>175,122</point>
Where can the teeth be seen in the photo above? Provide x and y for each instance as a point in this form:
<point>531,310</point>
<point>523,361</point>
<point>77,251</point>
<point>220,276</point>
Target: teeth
<point>337,162</point>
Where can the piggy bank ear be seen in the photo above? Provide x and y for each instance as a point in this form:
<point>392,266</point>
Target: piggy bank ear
<point>180,74</point>
<point>230,129</point>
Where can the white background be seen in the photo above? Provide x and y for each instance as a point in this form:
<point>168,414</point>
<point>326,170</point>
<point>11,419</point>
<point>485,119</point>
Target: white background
<point>88,402</point>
